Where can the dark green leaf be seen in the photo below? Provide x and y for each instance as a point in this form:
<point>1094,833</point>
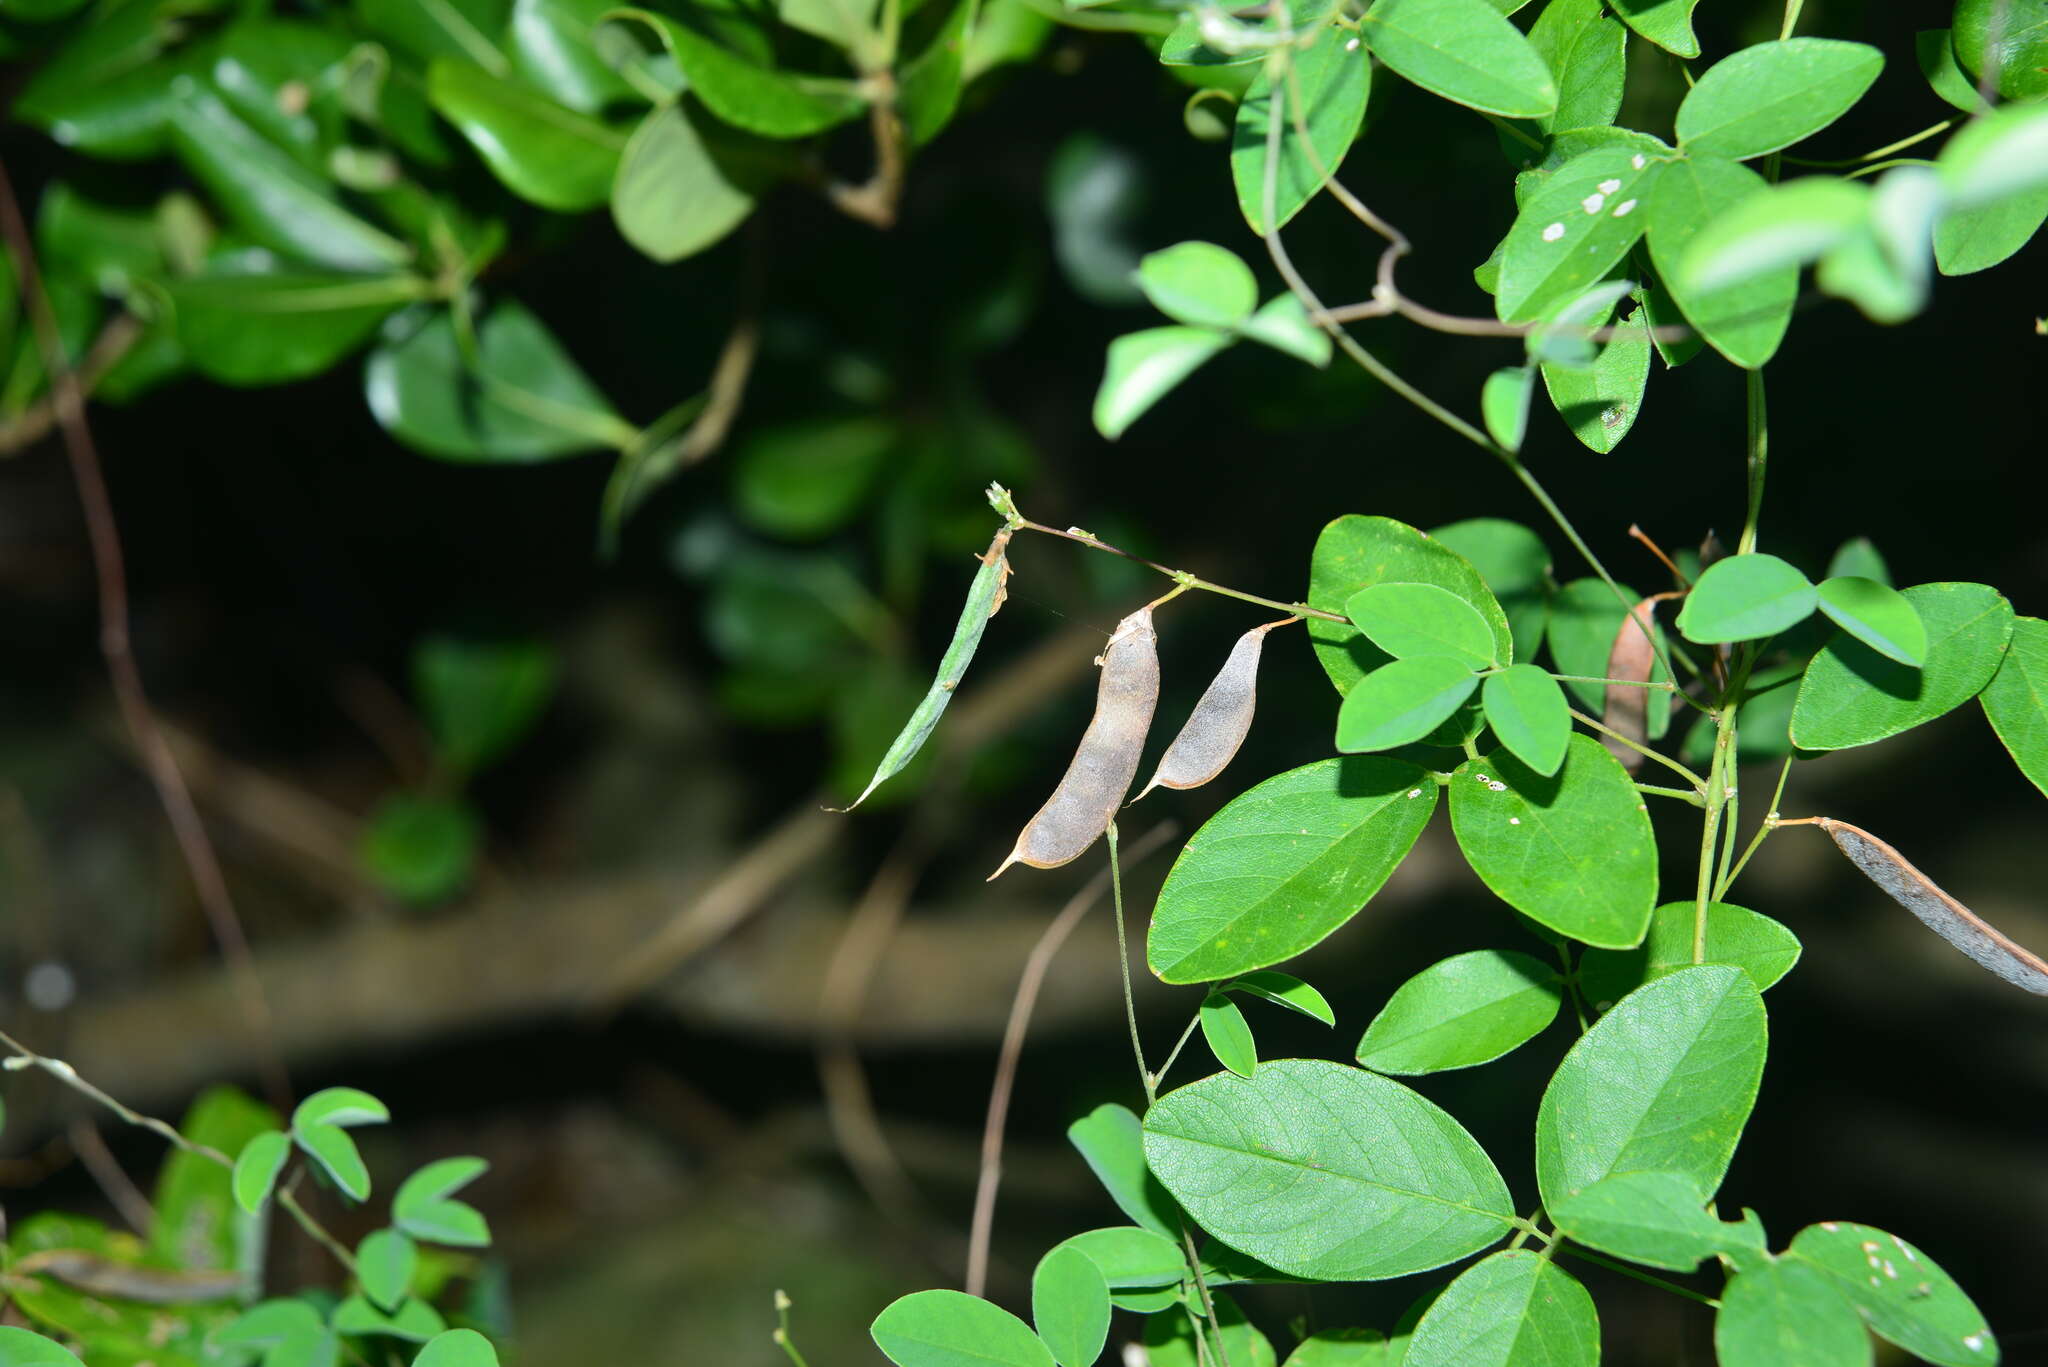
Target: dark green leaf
<point>257,1167</point>
<point>480,696</point>
<point>267,328</point>
<point>464,30</point>
<point>1585,617</point>
<point>554,48</point>
<point>1900,1292</point>
<point>805,479</point>
<point>951,1329</point>
<point>1876,615</point>
<point>1938,64</point>
<point>21,1348</point>
<point>1586,52</point>
<point>745,94</point>
<point>1527,710</point>
<point>1514,1309</point>
<point>1667,23</point>
<point>1600,403</point>
<point>552,156</point>
<point>2016,700</point>
<point>1504,403</point>
<point>1070,1306</point>
<point>385,1261</point>
<point>1284,989</point>
<point>2011,38</point>
<point>933,79</point>
<point>1755,944</point>
<point>1331,80</point>
<point>683,185</point>
<point>1852,695</point>
<point>1200,284</point>
<point>1574,852</point>
<point>1658,1218</point>
<point>1744,321</point>
<point>1144,367</point>
<point>1664,1082</point>
<point>1516,567</point>
<point>1787,1314</point>
<point>1248,891</point>
<point>1573,230</point>
<point>1465,51</point>
<point>1402,702</point>
<point>1461,1012</point>
<point>108,244</point>
<point>1771,95</point>
<point>107,91</point>
<point>197,1223</point>
<point>1228,1035</point>
<point>421,848</point>
<point>1326,1171</point>
<point>1745,598</point>
<point>1112,1140</point>
<point>1169,1339</point>
<point>526,401</point>
<point>1356,552</point>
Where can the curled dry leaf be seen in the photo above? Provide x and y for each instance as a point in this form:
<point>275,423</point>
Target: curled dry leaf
<point>1084,804</point>
<point>1939,912</point>
<point>1222,717</point>
<point>1633,654</point>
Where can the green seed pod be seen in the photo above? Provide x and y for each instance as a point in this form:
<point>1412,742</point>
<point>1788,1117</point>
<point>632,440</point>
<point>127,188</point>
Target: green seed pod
<point>1084,804</point>
<point>1222,717</point>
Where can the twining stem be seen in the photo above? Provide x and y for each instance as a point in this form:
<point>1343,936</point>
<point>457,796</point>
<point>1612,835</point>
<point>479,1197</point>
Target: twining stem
<point>1562,1246</point>
<point>1699,784</point>
<point>1123,965</point>
<point>1763,828</point>
<point>1717,799</point>
<point>1178,1044</point>
<point>1187,1240</point>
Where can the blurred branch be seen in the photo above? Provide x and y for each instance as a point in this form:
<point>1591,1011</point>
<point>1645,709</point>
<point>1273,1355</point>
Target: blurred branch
<point>875,201</point>
<point>33,423</point>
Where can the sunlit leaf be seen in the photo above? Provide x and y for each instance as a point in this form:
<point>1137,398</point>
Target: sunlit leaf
<point>1460,1012</point>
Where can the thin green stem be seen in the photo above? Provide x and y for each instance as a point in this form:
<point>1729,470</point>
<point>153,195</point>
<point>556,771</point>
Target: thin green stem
<point>1881,153</point>
<point>1759,444</point>
<point>1187,1241</point>
<point>1724,737</point>
<point>1178,1044</point>
<point>1699,784</point>
<point>1763,829</point>
<point>1180,577</point>
<point>1792,8</point>
<point>1663,684</point>
<point>1522,1236</point>
<point>1625,1270</point>
<point>1123,966</point>
<point>781,1333</point>
<point>1691,795</point>
<point>314,1230</point>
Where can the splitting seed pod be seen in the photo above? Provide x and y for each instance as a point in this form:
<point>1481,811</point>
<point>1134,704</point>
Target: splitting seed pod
<point>1087,799</point>
<point>1990,947</point>
<point>1627,707</point>
<point>1222,717</point>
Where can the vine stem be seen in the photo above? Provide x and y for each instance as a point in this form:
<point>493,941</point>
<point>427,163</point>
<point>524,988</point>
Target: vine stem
<point>1674,1288</point>
<point>1764,828</point>
<point>1123,965</point>
<point>1699,784</point>
<point>1178,1044</point>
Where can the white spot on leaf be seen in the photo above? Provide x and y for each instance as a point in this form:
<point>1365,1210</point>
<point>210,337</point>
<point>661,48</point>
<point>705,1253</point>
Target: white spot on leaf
<point>1592,203</point>
<point>1553,232</point>
<point>1621,210</point>
<point>1608,187</point>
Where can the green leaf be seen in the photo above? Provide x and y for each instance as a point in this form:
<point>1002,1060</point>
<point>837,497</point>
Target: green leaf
<point>974,614</point>
<point>1787,1314</point>
<point>1248,891</point>
<point>1585,617</point>
<point>1282,323</point>
<point>1527,710</point>
<point>1515,565</point>
<point>1356,552</point>
<point>1333,78</point>
<point>1771,95</point>
<point>929,95</point>
<point>1859,556</point>
<point>1996,157</point>
<point>342,1106</point>
<point>953,1329</point>
<point>266,193</point>
<point>2016,700</point>
<point>1422,619</point>
<point>1563,338</point>
<point>1656,1218</point>
<point>2009,36</point>
<point>1769,231</point>
<point>683,185</point>
<point>459,29</point>
<point>458,1348</point>
<point>1200,284</point>
<point>1169,1339</point>
<point>1744,321</point>
<point>1465,51</point>
<point>1851,695</point>
<point>526,401</point>
<point>1736,935</point>
<point>414,1321</point>
<point>257,1167</point>
<point>1970,240</point>
<point>420,848</point>
<point>1877,615</point>
<point>1514,1309</point>
<point>1884,267</point>
<point>1461,1012</point>
<point>1185,45</point>
<point>1228,1035</point>
<point>842,23</point>
<point>805,479</point>
<point>1402,702</point>
<point>1667,23</point>
<point>1664,1082</point>
<point>1587,55</point>
<point>1901,1293</point>
<point>1574,852</point>
<point>1070,1306</point>
<point>1143,367</point>
<point>423,1207</point>
<point>1937,56</point>
<point>1504,404</point>
<point>1342,1348</point>
<point>331,1147</point>
<point>111,245</point>
<point>1600,403</point>
<point>198,1223</point>
<point>1746,598</point>
<point>1573,230</point>
<point>1112,1140</point>
<point>554,49</point>
<point>21,1348</point>
<point>1284,989</point>
<point>1325,1171</point>
<point>385,1262</point>
<point>552,156</point>
<point>108,89</point>
<point>270,327</point>
<point>480,696</point>
<point>745,94</point>
<point>1132,1258</point>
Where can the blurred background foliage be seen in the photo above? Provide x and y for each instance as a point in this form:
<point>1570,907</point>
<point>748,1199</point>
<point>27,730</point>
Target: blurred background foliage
<point>548,443</point>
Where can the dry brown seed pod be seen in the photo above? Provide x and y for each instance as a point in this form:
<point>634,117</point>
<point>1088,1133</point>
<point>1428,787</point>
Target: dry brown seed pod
<point>1222,716</point>
<point>1939,912</point>
<point>1628,707</point>
<point>1084,804</point>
